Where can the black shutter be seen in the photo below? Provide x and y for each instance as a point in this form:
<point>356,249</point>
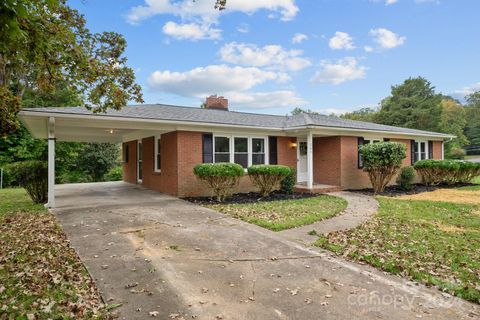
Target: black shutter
<point>386,139</point>
<point>207,145</point>
<point>125,152</point>
<point>412,152</point>
<point>272,145</point>
<point>359,157</point>
<point>430,149</point>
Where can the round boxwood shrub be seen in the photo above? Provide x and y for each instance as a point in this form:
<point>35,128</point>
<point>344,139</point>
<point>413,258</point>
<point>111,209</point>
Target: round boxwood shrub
<point>33,176</point>
<point>287,185</point>
<point>381,161</point>
<point>405,178</point>
<point>446,171</point>
<point>220,177</point>
<point>266,177</point>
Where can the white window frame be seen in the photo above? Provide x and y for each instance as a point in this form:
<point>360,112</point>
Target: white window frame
<point>155,154</point>
<point>250,154</point>
<point>232,137</point>
<point>427,152</point>
<point>229,146</point>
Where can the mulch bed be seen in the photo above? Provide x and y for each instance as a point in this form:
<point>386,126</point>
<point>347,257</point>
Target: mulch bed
<point>250,197</point>
<point>416,188</point>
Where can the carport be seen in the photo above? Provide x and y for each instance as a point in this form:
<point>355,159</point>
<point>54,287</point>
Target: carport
<point>64,126</point>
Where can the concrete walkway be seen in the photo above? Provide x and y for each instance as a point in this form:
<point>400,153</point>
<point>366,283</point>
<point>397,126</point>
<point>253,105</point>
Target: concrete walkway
<point>359,209</point>
<point>161,256</point>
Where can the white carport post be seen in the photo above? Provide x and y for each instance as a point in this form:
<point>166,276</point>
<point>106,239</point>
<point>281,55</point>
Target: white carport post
<point>310,160</point>
<point>51,162</point>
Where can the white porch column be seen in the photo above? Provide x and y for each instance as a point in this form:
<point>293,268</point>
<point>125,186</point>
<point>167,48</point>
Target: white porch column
<point>310,160</point>
<point>51,162</point>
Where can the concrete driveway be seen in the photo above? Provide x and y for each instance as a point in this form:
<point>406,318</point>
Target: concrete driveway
<point>160,256</point>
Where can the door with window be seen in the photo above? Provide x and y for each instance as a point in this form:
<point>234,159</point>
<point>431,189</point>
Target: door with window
<point>139,161</point>
<point>302,161</point>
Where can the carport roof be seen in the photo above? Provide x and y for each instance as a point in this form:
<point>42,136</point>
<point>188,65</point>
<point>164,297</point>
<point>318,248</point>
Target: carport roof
<point>229,118</point>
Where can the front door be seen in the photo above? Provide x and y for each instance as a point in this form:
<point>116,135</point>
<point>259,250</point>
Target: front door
<point>302,161</point>
<point>139,161</point>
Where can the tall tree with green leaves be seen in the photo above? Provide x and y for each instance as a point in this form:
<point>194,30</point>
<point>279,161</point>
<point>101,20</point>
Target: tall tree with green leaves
<point>364,114</point>
<point>412,104</point>
<point>472,108</point>
<point>453,121</point>
<point>46,42</point>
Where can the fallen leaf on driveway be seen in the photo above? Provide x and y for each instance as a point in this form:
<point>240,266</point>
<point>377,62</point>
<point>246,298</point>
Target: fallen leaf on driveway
<point>153,313</point>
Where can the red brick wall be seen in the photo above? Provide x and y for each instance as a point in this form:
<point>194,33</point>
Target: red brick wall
<point>351,177</point>
<point>130,167</point>
<point>437,150</point>
<point>286,155</point>
<point>326,160</point>
<point>167,179</point>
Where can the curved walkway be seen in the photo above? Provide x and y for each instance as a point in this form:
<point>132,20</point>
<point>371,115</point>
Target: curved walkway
<point>359,209</point>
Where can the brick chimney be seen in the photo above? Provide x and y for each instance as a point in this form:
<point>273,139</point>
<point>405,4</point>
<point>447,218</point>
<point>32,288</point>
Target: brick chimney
<point>214,102</point>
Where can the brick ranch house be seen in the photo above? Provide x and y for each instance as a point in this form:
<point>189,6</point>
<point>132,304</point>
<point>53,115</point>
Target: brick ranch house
<point>162,143</point>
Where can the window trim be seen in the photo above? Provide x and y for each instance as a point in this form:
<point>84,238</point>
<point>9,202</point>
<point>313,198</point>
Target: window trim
<point>232,137</point>
<point>156,139</point>
<point>229,146</point>
<point>427,155</point>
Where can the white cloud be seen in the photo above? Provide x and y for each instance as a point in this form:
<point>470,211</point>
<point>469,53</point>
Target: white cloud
<point>341,40</point>
<point>389,2</point>
<point>205,8</point>
<point>273,57</point>
<point>271,99</point>
<point>387,39</point>
<point>203,81</point>
<point>243,28</point>
<point>368,49</point>
<point>336,73</point>
<point>232,82</point>
<point>465,91</point>
<point>299,38</point>
<point>191,31</point>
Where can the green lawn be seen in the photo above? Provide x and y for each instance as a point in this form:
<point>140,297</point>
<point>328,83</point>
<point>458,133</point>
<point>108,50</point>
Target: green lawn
<point>437,243</point>
<point>41,276</point>
<point>284,214</point>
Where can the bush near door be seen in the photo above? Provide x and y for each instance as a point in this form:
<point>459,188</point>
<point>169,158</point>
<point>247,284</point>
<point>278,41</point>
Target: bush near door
<point>267,177</point>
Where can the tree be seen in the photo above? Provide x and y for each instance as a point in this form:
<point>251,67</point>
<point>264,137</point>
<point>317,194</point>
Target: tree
<point>298,110</point>
<point>413,104</point>
<point>45,42</point>
<point>472,108</point>
<point>96,159</point>
<point>453,121</point>
<point>364,114</point>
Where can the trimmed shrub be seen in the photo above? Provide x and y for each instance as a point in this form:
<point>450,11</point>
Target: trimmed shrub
<point>266,177</point>
<point>446,171</point>
<point>381,161</point>
<point>287,185</point>
<point>33,176</point>
<point>220,177</point>
<point>405,178</point>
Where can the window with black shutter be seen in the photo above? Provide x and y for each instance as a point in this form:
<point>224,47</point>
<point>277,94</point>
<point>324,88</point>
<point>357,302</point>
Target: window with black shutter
<point>207,143</point>
<point>272,145</point>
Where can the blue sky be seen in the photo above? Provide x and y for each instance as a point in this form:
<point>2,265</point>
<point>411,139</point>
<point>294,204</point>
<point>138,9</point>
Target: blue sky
<point>269,56</point>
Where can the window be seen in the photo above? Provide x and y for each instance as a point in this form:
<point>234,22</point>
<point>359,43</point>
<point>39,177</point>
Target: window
<point>241,151</point>
<point>258,151</point>
<point>222,149</point>
<point>420,151</point>
<point>363,141</point>
<point>245,151</point>
<point>158,158</point>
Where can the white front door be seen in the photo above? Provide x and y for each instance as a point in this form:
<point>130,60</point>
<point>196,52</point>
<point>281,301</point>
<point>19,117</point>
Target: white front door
<point>302,161</point>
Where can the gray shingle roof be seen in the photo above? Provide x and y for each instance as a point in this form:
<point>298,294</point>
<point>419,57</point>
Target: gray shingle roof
<point>191,114</point>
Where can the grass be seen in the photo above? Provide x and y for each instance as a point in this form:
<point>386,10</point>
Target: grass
<point>476,181</point>
<point>436,243</point>
<point>284,214</point>
<point>41,276</point>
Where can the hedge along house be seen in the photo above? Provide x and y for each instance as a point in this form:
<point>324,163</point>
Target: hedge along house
<point>162,143</point>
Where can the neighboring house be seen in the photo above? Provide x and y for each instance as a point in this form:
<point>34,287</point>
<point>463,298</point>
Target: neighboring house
<point>162,143</point>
